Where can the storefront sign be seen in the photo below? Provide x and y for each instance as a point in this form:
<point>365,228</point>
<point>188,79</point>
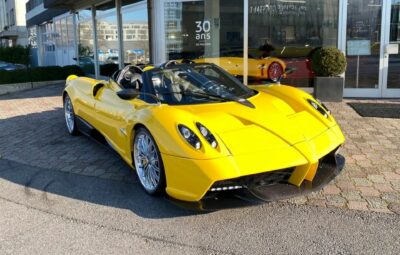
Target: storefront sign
<point>358,48</point>
<point>279,9</point>
<point>203,33</point>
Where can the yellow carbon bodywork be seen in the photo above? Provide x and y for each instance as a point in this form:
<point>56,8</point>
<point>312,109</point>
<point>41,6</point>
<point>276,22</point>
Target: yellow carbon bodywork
<point>258,68</point>
<point>283,131</point>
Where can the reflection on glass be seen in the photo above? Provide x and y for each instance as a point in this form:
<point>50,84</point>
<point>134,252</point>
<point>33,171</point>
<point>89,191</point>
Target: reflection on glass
<point>206,31</point>
<point>107,38</point>
<point>290,30</point>
<point>394,60</point>
<point>136,32</point>
<point>363,43</point>
<point>48,45</point>
<point>85,47</point>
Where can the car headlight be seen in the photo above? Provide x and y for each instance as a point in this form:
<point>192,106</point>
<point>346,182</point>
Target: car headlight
<point>324,106</point>
<point>323,110</point>
<point>190,136</point>
<point>207,135</point>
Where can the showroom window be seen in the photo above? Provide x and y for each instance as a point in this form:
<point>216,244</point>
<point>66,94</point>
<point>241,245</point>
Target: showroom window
<point>363,43</point>
<point>205,31</point>
<point>286,32</point>
<point>281,33</point>
<point>136,32</point>
<point>107,38</point>
<point>86,46</point>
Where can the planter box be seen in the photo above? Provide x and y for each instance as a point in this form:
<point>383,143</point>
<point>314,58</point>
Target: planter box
<point>11,88</point>
<point>328,89</point>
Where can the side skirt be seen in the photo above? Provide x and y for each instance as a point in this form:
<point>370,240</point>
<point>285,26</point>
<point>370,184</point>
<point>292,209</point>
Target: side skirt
<point>85,128</point>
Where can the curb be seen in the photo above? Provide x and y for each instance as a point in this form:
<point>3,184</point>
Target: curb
<point>16,87</point>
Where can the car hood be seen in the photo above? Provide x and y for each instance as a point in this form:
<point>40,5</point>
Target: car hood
<point>273,124</point>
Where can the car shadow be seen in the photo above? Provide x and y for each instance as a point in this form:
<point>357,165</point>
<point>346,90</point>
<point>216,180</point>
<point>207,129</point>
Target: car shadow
<point>95,190</point>
<point>37,152</point>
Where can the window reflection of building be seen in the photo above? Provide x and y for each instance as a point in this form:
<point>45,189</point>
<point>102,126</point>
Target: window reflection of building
<point>136,33</point>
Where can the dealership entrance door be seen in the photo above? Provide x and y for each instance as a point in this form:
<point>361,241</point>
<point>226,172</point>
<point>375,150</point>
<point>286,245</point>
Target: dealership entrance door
<point>372,38</point>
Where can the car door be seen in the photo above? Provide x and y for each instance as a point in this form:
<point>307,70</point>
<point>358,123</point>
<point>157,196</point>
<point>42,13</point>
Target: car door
<point>112,119</point>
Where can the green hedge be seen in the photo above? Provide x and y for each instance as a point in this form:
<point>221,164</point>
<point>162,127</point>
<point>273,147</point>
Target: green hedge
<point>16,54</point>
<point>46,73</point>
<point>105,69</point>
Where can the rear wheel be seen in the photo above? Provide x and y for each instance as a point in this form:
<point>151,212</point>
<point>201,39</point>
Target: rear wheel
<point>275,71</point>
<point>70,119</point>
<point>148,163</point>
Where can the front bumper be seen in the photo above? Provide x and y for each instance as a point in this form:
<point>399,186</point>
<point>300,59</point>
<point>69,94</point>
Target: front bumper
<point>262,188</point>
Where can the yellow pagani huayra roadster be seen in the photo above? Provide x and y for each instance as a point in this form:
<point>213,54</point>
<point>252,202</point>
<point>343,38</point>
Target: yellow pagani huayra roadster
<point>194,132</point>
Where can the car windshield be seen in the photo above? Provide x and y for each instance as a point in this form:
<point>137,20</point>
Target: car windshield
<point>196,84</point>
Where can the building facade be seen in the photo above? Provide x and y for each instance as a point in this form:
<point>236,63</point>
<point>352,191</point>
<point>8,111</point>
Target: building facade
<point>12,23</point>
<point>94,34</point>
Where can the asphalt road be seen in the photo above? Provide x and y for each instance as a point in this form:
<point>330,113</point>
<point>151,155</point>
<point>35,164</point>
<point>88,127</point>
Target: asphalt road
<point>51,212</point>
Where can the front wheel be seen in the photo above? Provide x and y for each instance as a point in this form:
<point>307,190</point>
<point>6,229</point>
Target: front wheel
<point>148,163</point>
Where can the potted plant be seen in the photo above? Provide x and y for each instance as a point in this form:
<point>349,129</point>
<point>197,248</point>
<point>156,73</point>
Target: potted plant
<point>328,64</point>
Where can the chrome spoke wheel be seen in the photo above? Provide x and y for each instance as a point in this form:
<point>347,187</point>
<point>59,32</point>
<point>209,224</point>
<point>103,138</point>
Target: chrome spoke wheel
<point>147,162</point>
<point>69,115</point>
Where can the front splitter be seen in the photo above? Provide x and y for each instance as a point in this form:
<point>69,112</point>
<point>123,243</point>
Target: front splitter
<point>330,167</point>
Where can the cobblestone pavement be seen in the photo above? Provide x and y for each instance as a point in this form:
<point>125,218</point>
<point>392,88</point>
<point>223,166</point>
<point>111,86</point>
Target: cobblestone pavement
<point>32,131</point>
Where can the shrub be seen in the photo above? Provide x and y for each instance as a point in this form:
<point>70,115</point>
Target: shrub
<point>73,69</point>
<point>47,73</point>
<point>44,73</point>
<point>328,62</point>
<point>16,54</point>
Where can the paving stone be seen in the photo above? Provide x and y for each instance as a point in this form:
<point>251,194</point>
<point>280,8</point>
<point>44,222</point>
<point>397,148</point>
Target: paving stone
<point>391,197</point>
<point>358,205</point>
<point>331,189</point>
<point>352,195</point>
<point>383,187</point>
<point>376,202</point>
<point>377,178</point>
<point>368,192</point>
<point>394,207</point>
<point>391,176</point>
<point>335,201</point>
<point>317,202</point>
<point>381,210</point>
<point>362,182</point>
<point>345,185</point>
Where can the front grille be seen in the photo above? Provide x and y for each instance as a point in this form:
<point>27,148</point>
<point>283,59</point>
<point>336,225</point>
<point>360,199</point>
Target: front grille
<point>263,179</point>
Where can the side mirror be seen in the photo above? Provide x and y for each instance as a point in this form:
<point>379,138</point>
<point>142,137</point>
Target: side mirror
<point>287,71</point>
<point>290,70</point>
<point>128,94</point>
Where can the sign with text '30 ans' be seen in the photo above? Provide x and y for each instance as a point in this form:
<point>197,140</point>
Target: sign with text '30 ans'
<point>203,33</point>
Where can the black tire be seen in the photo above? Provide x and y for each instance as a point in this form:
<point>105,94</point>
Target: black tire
<point>146,165</point>
<point>70,118</point>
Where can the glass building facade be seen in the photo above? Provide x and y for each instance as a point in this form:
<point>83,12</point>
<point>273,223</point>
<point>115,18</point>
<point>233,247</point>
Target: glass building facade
<point>254,40</point>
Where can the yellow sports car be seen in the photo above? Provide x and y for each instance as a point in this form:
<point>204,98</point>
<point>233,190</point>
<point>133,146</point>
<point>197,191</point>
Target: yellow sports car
<point>196,133</point>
